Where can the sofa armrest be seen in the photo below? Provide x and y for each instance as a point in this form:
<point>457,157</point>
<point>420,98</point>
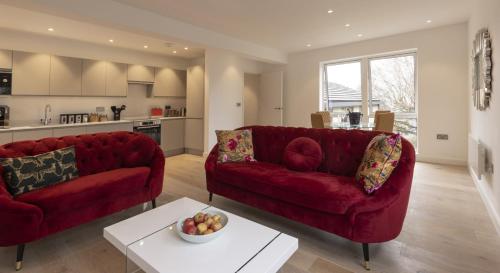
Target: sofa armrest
<point>157,166</point>
<point>19,221</point>
<point>211,162</point>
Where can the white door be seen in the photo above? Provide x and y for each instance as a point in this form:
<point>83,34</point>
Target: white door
<point>271,99</point>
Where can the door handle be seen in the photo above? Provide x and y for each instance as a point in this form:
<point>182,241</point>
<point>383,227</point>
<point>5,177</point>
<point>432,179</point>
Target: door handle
<point>278,108</point>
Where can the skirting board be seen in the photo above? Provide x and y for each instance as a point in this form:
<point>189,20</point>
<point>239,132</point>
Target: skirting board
<point>173,152</point>
<point>480,186</point>
<point>194,151</point>
<point>441,160</point>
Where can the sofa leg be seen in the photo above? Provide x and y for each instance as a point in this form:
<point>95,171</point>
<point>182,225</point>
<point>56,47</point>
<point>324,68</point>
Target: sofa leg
<point>366,255</point>
<point>210,195</point>
<point>153,203</point>
<point>19,259</point>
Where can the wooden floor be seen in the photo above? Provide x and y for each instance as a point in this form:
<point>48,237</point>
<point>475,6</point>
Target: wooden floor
<point>447,229</point>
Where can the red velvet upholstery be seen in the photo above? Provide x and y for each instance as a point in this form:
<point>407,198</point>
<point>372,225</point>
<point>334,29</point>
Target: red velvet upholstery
<point>302,154</point>
<point>117,170</point>
<point>328,199</point>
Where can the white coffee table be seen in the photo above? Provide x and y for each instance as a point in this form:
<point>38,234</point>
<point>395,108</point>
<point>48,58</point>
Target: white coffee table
<point>151,242</point>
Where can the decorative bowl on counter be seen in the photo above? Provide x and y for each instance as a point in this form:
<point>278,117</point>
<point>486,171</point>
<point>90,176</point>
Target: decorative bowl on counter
<point>202,227</point>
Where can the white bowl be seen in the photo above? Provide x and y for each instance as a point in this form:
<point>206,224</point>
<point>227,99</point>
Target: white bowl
<point>200,239</point>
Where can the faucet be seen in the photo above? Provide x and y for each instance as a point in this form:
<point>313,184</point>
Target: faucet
<point>46,120</point>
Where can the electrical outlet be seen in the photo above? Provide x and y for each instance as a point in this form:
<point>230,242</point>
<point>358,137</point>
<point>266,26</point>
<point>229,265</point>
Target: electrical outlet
<point>442,136</point>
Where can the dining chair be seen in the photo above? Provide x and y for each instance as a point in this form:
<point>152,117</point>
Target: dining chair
<point>317,121</point>
<point>327,117</point>
<point>384,122</point>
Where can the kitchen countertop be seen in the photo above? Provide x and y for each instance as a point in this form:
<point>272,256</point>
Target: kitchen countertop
<point>31,125</point>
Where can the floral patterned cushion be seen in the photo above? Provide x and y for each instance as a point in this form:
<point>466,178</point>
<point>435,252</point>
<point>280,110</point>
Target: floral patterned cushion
<point>235,146</point>
<point>380,158</point>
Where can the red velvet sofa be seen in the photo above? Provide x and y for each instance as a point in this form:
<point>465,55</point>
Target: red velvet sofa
<point>117,171</point>
<point>329,199</point>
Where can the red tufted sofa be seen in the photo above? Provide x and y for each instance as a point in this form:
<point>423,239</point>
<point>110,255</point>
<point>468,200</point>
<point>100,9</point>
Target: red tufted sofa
<point>117,170</point>
<point>328,199</point>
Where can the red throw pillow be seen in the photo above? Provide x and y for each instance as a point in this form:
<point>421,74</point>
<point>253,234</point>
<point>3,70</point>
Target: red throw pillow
<point>303,154</point>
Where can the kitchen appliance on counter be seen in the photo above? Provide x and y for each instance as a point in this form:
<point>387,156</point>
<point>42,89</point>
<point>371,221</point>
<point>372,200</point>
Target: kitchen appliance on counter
<point>149,127</point>
<point>170,112</point>
<point>4,116</point>
<point>156,112</point>
<point>117,111</point>
<point>5,82</point>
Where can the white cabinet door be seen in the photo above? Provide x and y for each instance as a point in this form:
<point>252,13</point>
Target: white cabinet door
<point>140,73</point>
<point>169,83</point>
<point>94,78</point>
<point>116,80</point>
<point>69,131</point>
<point>195,91</point>
<point>65,76</point>
<point>31,134</point>
<point>103,128</point>
<point>5,59</point>
<point>5,138</point>
<point>30,73</point>
<point>194,136</point>
<point>172,136</point>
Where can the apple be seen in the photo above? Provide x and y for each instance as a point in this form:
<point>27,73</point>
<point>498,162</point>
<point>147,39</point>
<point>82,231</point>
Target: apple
<point>216,226</point>
<point>216,218</point>
<point>202,227</point>
<point>190,229</point>
<point>188,222</point>
<point>199,218</point>
<point>208,231</point>
<point>209,222</point>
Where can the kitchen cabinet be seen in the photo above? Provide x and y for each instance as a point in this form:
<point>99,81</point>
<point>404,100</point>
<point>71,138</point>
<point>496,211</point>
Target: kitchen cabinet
<point>172,136</point>
<point>102,128</point>
<point>5,138</point>
<point>93,78</point>
<point>31,134</point>
<point>116,79</point>
<point>169,83</point>
<point>69,131</point>
<point>30,73</point>
<point>193,136</point>
<point>5,59</point>
<point>65,76</point>
<point>141,73</point>
<point>195,91</point>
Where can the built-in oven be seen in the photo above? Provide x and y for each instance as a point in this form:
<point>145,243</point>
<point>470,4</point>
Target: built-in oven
<point>5,82</point>
<point>150,127</point>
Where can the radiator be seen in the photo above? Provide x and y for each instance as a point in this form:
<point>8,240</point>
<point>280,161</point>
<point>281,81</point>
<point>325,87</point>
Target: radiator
<point>478,158</point>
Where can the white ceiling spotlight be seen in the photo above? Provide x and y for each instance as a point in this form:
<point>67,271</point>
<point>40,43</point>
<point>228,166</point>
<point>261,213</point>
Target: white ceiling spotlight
<point>146,46</point>
<point>186,48</point>
<point>330,11</point>
<point>360,35</point>
<point>111,40</point>
<point>428,21</point>
<point>347,25</point>
<point>51,29</point>
<point>175,51</point>
<point>308,45</point>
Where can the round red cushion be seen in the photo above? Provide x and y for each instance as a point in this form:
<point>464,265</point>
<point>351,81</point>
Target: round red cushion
<point>303,154</point>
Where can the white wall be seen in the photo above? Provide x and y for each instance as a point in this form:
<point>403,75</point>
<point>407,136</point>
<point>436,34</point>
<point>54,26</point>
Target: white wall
<point>484,124</point>
<point>251,99</point>
<point>442,85</point>
<point>31,108</point>
<point>224,82</point>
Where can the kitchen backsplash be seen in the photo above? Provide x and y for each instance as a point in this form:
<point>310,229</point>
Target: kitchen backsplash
<point>31,108</point>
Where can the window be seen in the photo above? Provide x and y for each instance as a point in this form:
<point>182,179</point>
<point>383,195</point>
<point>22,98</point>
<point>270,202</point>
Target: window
<point>370,84</point>
<point>343,89</point>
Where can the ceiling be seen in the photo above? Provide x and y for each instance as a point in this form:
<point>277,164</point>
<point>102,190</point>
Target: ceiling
<point>289,25</point>
<point>36,22</point>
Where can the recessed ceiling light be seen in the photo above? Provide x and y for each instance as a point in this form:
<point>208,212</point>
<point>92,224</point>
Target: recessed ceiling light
<point>146,46</point>
<point>347,25</point>
<point>330,11</point>
<point>360,35</point>
<point>111,40</point>
<point>186,48</point>
<point>428,21</point>
<point>308,45</point>
<point>175,51</point>
<point>50,29</point>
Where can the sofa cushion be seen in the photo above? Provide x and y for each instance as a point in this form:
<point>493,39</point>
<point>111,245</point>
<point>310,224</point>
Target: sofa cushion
<point>28,173</point>
<point>85,190</point>
<point>235,146</point>
<point>314,190</point>
<point>381,157</point>
<point>303,154</point>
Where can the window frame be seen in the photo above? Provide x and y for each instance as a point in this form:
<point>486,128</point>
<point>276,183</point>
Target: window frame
<point>324,90</point>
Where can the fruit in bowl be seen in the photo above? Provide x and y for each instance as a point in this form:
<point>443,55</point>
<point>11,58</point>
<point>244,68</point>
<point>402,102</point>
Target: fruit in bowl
<point>202,227</point>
